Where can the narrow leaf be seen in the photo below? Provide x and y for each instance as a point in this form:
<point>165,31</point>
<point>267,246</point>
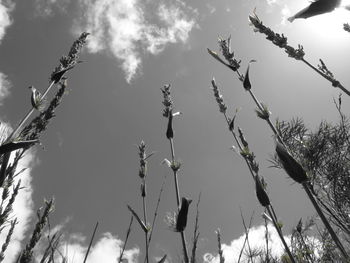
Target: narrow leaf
<point>13,146</point>
<point>216,56</point>
<point>142,224</point>
<point>162,260</point>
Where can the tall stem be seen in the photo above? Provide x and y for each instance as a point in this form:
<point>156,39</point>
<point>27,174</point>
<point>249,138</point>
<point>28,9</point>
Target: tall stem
<point>183,237</point>
<point>340,86</point>
<point>90,244</point>
<point>126,240</point>
<point>145,220</point>
<point>275,223</point>
<point>325,222</point>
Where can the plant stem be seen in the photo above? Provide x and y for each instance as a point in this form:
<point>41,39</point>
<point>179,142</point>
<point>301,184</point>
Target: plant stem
<point>339,85</point>
<point>145,220</point>
<point>325,222</point>
<point>275,223</point>
<point>183,238</point>
<point>239,146</point>
<point>156,211</point>
<point>90,244</point>
<point>126,239</point>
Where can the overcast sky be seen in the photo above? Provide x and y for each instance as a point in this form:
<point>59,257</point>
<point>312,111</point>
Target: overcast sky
<point>88,160</point>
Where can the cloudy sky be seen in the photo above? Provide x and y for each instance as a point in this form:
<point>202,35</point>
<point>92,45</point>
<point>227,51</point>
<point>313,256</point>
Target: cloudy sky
<point>88,160</point>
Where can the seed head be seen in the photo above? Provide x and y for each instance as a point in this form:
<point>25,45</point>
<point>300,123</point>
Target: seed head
<point>167,102</point>
<point>218,97</point>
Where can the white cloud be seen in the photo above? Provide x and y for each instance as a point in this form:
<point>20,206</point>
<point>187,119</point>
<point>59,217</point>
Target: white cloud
<point>46,8</point>
<point>106,249</point>
<point>256,240</point>
<point>5,86</point>
<point>6,7</point>
<point>121,28</point>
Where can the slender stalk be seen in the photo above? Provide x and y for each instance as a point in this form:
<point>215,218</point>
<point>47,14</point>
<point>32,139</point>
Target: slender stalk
<point>267,241</point>
<point>145,220</point>
<point>239,145</point>
<point>337,84</point>
<point>126,239</point>
<point>182,233</point>
<point>196,232</point>
<point>168,113</point>
<point>90,244</point>
<point>246,240</point>
<point>156,211</point>
<point>279,231</point>
<point>273,128</point>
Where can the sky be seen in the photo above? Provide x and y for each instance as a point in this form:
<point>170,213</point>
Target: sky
<point>88,159</point>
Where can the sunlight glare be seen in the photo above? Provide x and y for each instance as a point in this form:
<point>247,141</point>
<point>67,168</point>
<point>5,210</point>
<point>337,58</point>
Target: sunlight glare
<point>329,25</point>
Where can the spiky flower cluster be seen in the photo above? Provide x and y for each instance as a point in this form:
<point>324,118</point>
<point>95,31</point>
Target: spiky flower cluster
<point>225,46</point>
<point>27,253</point>
<point>218,97</point>
<point>69,61</point>
<point>167,101</point>
<point>346,27</point>
<point>277,39</point>
<point>8,239</point>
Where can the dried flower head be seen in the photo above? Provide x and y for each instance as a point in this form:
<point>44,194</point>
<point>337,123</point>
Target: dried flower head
<point>346,27</point>
<point>277,39</point>
<point>167,102</point>
<point>218,97</point>
<point>225,46</point>
<point>143,162</point>
<point>69,61</point>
